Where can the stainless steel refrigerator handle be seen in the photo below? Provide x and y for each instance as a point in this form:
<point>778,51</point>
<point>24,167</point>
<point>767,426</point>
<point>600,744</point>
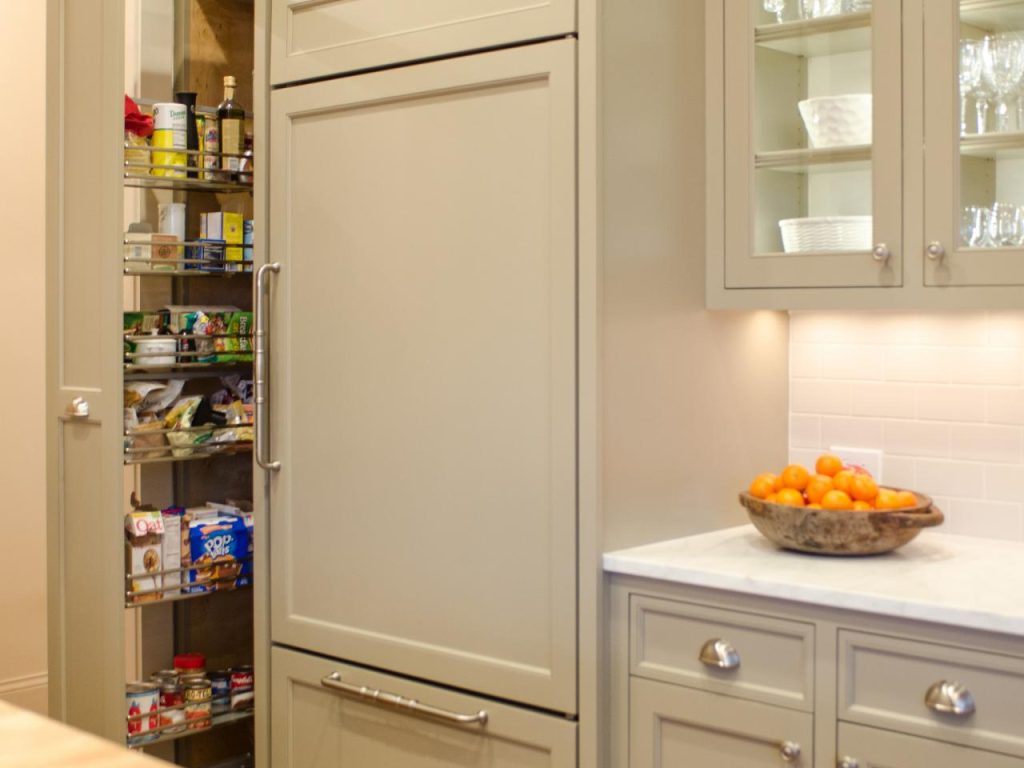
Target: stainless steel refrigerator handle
<point>334,682</point>
<point>259,366</point>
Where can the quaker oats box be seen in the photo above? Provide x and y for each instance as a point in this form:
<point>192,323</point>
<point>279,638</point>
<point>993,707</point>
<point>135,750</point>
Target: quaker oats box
<point>144,534</point>
<point>172,550</point>
<point>217,546</point>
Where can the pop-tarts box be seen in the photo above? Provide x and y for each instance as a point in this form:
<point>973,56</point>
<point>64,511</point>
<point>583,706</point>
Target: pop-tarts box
<point>217,546</point>
<point>243,511</point>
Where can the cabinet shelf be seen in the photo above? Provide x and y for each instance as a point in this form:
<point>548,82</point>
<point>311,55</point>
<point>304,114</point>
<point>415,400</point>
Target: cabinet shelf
<point>827,160</point>
<point>184,185</point>
<point>198,452</point>
<point>994,146</point>
<point>993,15</point>
<point>818,37</point>
<point>216,721</point>
<point>135,371</point>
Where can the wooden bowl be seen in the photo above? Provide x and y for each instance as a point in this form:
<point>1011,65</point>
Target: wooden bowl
<point>840,532</point>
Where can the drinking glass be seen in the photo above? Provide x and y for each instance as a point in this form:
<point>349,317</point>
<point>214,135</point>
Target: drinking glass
<point>974,226</point>
<point>1003,65</point>
<point>970,76</point>
<point>1005,225</point>
<point>813,9</point>
<point>778,7</point>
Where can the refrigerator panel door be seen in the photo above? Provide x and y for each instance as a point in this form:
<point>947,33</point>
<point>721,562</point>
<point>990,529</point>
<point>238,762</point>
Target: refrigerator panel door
<point>317,727</point>
<point>422,371</point>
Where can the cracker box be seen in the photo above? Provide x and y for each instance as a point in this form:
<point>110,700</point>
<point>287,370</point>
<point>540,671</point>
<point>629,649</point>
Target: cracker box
<point>144,532</point>
<point>173,517</point>
<point>217,547</point>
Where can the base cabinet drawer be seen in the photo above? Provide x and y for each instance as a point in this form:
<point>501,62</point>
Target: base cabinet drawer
<point>673,726</point>
<point>885,682</point>
<point>315,725</point>
<point>861,747</point>
<point>319,38</point>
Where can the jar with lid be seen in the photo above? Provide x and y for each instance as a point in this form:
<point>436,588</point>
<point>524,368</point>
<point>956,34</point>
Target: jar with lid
<point>190,665</point>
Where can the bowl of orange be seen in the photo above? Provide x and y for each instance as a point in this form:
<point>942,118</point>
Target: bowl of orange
<point>836,510</point>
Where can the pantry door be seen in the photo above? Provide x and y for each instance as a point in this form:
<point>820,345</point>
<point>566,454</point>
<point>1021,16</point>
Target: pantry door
<point>422,371</point>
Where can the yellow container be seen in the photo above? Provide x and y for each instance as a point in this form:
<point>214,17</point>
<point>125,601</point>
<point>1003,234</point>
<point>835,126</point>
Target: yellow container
<point>166,139</point>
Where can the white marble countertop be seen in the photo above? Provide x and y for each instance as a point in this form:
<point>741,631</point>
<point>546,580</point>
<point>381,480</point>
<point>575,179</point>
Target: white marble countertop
<point>945,579</point>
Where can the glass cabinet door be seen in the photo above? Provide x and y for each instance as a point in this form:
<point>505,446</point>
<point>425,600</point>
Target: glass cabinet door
<point>812,98</point>
<point>974,142</point>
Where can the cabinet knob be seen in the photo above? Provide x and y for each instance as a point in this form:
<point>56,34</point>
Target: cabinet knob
<point>935,250</point>
<point>881,253</point>
<point>848,762</point>
<point>78,408</point>
<point>789,751</point>
<point>719,653</point>
<point>950,698</point>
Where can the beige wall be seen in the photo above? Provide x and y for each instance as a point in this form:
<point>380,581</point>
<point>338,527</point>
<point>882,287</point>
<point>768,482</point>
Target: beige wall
<point>22,383</point>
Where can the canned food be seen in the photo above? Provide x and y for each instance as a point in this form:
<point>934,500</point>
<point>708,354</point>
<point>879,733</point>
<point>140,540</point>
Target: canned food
<point>241,687</point>
<point>220,684</point>
<point>197,704</point>
<point>143,701</point>
<point>172,711</point>
<point>164,675</point>
<point>211,151</point>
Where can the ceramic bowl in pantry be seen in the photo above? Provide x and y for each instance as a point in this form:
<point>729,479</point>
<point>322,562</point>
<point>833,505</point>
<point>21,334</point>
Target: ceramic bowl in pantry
<point>837,121</point>
<point>826,233</point>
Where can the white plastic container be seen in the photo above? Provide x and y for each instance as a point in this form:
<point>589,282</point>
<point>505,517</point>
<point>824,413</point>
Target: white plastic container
<point>837,121</point>
<point>158,350</point>
<point>816,234</point>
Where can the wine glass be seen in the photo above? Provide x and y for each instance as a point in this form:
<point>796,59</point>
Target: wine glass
<point>1003,65</point>
<point>777,7</point>
<point>970,75</point>
<point>1005,225</point>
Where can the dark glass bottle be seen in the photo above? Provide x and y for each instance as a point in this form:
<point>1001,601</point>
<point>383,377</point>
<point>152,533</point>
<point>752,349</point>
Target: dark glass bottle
<point>188,98</point>
<point>231,124</point>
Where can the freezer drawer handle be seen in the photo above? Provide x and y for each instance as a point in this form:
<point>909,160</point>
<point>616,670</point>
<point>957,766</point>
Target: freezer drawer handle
<point>260,370</point>
<point>334,682</point>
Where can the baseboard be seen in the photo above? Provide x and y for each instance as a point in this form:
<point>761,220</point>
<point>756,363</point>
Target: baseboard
<point>28,692</point>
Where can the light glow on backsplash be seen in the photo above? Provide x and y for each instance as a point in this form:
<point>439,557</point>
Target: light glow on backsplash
<point>941,395</point>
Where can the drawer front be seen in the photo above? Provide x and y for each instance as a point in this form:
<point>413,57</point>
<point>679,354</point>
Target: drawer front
<point>875,748</point>
<point>883,681</point>
<point>319,38</point>
<point>775,657</point>
<point>315,726</point>
<point>672,726</point>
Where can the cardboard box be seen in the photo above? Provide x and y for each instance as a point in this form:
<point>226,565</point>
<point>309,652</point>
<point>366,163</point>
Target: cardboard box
<point>144,532</point>
<point>230,228</point>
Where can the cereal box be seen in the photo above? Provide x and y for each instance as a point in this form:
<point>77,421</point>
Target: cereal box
<point>144,531</point>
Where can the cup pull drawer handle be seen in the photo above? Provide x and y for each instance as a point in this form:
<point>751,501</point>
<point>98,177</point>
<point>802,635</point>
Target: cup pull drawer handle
<point>334,682</point>
<point>950,698</point>
<point>719,653</point>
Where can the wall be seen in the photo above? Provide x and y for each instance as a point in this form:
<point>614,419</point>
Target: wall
<point>694,402</point>
<point>22,334</point>
<point>942,395</point>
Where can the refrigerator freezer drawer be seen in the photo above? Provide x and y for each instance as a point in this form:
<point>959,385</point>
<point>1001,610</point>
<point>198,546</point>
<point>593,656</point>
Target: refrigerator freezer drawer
<point>315,725</point>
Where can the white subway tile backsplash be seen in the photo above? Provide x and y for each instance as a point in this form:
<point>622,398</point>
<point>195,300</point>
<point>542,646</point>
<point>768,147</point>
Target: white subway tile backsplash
<point>950,478</point>
<point>851,432</point>
<point>883,398</point>
<point>938,402</point>
<point>984,442</point>
<point>942,394</point>
<point>915,438</point>
<point>821,397</point>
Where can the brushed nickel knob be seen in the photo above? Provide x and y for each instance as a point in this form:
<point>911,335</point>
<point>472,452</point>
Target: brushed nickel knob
<point>881,253</point>
<point>789,751</point>
<point>950,698</point>
<point>935,250</point>
<point>78,408</point>
<point>719,653</point>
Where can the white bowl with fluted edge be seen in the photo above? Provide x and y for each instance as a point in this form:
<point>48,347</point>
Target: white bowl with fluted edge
<point>816,234</point>
<point>837,121</point>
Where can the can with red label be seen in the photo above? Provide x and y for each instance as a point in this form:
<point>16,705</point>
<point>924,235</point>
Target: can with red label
<point>143,701</point>
<point>241,688</point>
<point>172,709</point>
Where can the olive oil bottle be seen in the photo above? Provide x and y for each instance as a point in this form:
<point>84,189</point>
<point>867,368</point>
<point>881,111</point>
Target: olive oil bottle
<point>231,123</point>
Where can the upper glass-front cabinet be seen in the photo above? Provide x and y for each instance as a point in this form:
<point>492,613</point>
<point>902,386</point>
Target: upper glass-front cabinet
<point>812,149</point>
<point>974,143</point>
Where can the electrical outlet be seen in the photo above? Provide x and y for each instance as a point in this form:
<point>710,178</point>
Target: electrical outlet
<point>869,458</point>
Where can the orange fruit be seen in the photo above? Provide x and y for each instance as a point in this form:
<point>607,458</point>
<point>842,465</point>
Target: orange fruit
<point>863,488</point>
<point>861,506</point>
<point>905,499</point>
<point>815,506</point>
<point>778,483</point>
<point>796,477</point>
<point>836,500</point>
<point>791,497</point>
<point>817,487</point>
<point>828,464</point>
<point>843,481</point>
<point>772,498</point>
<point>886,499</point>
<point>763,485</point>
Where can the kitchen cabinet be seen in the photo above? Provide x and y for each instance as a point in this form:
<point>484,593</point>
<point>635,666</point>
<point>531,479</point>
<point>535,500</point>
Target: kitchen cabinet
<point>320,723</point>
<point>720,645</point>
<point>324,39</point>
<point>840,174</point>
<point>424,223</point>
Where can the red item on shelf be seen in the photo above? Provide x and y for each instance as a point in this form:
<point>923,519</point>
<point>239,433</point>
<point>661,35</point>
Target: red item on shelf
<point>134,121</point>
<point>190,661</point>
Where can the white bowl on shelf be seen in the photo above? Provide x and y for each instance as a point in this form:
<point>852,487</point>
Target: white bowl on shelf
<point>837,121</point>
<point>816,234</point>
